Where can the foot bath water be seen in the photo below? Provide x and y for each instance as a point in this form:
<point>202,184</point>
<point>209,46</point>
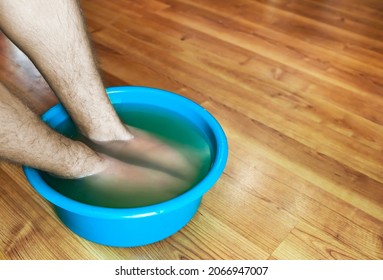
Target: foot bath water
<point>169,128</point>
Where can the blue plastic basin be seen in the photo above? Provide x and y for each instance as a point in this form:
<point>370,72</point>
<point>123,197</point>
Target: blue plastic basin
<point>128,227</point>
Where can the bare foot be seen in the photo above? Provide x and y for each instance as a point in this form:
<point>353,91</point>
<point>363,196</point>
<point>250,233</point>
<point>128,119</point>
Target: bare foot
<point>148,151</point>
<point>122,184</point>
<point>137,172</point>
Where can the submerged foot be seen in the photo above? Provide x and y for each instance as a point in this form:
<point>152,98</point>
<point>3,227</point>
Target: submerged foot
<point>121,184</point>
<point>148,151</point>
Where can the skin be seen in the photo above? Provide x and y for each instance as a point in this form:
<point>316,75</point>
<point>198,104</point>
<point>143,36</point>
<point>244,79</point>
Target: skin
<point>26,140</point>
<point>52,35</point>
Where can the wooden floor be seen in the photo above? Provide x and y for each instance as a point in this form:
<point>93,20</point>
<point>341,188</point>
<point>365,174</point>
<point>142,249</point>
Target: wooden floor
<point>298,89</point>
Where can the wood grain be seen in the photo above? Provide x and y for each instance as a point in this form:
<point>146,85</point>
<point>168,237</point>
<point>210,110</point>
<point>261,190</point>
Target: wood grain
<point>297,87</point>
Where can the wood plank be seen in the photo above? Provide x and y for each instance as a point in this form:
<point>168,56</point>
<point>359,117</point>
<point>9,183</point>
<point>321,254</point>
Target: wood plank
<point>210,51</point>
<point>371,10</point>
<point>304,162</point>
<point>346,222</point>
<point>279,23</point>
<point>316,12</point>
<point>307,242</point>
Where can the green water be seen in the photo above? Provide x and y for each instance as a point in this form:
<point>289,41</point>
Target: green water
<point>167,126</point>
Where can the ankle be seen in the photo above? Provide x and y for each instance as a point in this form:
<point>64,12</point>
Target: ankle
<point>108,134</point>
<point>90,163</point>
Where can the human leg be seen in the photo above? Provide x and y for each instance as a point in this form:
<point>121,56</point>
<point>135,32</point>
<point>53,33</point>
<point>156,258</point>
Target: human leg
<point>53,35</point>
<point>25,139</point>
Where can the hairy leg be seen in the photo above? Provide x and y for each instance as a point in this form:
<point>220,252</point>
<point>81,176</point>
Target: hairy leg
<point>53,35</point>
<point>25,139</point>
